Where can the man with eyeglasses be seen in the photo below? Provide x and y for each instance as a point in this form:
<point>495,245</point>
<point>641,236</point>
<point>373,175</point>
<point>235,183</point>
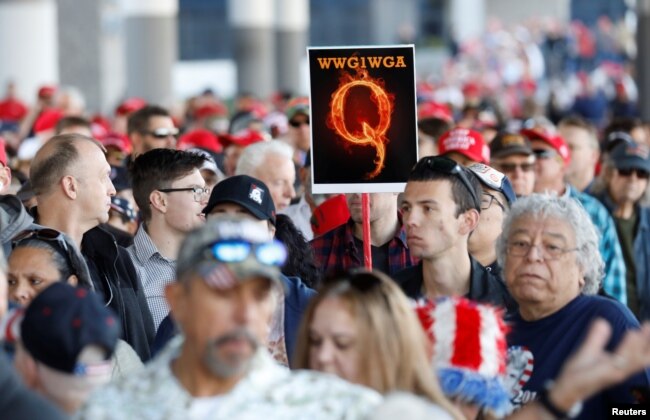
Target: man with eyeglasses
<point>248,197</point>
<point>512,154</point>
<point>551,264</point>
<point>496,198</point>
<point>441,207</point>
<point>151,127</point>
<point>170,192</point>
<point>552,159</point>
<point>623,187</point>
<point>227,283</point>
<point>71,180</point>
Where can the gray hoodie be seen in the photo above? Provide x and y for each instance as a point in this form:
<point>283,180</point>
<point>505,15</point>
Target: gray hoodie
<point>14,218</point>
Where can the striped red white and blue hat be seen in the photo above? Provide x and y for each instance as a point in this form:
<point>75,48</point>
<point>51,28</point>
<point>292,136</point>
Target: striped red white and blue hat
<point>469,350</point>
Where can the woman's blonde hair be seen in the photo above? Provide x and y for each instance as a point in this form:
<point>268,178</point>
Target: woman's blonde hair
<point>392,345</point>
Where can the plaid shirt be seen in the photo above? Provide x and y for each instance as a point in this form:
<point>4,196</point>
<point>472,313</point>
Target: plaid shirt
<point>336,251</point>
<point>614,282</point>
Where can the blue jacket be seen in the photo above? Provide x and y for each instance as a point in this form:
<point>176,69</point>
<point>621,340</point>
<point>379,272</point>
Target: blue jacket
<point>296,297</point>
<point>641,254</point>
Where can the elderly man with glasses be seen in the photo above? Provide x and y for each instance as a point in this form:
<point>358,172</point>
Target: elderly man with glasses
<point>623,188</point>
<point>171,193</point>
<point>441,207</point>
<point>551,264</point>
<point>552,160</point>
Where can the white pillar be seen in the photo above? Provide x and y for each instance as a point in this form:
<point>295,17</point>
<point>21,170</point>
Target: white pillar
<point>292,36</point>
<point>28,41</point>
<point>467,18</point>
<point>251,22</point>
<point>151,48</point>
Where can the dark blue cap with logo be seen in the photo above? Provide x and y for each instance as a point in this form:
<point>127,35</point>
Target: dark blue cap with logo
<point>62,321</point>
<point>250,193</point>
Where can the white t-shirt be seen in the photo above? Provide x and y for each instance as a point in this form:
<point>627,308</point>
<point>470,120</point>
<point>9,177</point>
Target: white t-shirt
<point>204,407</point>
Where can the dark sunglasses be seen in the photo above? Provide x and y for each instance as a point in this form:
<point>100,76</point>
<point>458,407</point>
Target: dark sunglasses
<point>162,133</point>
<point>544,153</point>
<point>296,124</point>
<point>640,173</point>
<point>271,253</point>
<point>447,166</point>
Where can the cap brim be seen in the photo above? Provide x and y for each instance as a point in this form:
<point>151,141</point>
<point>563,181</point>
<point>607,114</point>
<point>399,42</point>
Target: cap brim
<point>226,275</point>
<point>633,163</point>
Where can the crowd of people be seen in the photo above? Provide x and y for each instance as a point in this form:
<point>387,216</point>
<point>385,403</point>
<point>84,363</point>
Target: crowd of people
<point>166,264</point>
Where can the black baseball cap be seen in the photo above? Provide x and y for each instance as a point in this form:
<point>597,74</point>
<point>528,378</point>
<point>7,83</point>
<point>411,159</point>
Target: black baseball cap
<point>248,192</point>
<point>62,321</point>
<point>508,143</point>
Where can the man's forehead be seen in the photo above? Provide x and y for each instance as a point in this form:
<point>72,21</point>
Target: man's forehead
<point>534,225</point>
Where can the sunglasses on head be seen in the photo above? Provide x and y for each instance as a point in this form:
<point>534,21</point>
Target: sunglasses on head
<point>640,173</point>
<point>271,253</point>
<point>48,235</point>
<point>162,133</point>
<point>296,124</point>
<point>447,166</point>
<point>360,280</point>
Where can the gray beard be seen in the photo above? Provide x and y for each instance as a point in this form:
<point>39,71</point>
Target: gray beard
<point>228,368</point>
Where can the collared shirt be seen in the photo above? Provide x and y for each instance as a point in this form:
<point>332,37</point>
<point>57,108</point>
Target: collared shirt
<point>155,272</point>
<point>300,215</point>
<point>268,391</point>
<point>610,248</point>
<point>484,286</point>
<point>336,251</point>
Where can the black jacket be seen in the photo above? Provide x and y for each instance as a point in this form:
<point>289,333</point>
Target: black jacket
<point>483,286</point>
<point>115,277</point>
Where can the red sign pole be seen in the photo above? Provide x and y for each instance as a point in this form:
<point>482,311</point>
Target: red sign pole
<point>365,212</point>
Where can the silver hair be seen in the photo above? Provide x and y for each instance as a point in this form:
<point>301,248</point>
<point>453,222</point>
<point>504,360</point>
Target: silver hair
<point>254,155</point>
<point>564,208</point>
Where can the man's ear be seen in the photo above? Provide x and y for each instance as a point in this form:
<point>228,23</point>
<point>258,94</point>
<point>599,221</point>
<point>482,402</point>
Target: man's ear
<point>158,201</point>
<point>175,294</point>
<point>70,186</point>
<point>469,221</point>
<point>5,178</point>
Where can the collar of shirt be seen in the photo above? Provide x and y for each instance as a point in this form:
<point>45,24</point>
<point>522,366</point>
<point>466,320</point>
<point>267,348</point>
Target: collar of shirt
<point>144,247</point>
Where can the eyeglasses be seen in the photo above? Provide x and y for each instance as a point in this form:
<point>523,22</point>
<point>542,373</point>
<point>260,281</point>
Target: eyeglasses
<point>271,253</point>
<point>296,124</point>
<point>511,167</point>
<point>162,133</point>
<point>640,173</point>
<point>544,153</point>
<point>199,192</point>
<point>485,204</point>
<point>447,166</point>
<point>548,251</point>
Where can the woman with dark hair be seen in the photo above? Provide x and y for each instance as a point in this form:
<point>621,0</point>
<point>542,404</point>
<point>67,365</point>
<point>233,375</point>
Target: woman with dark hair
<point>41,257</point>
<point>300,259</point>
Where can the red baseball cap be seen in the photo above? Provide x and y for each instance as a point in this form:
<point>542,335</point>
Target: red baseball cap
<point>130,105</point>
<point>469,143</point>
<point>210,110</point>
<point>119,141</point>
<point>435,110</point>
<point>332,213</point>
<point>553,140</point>
<point>46,91</point>
<point>243,138</point>
<point>204,139</point>
<point>47,120</point>
<point>3,152</point>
